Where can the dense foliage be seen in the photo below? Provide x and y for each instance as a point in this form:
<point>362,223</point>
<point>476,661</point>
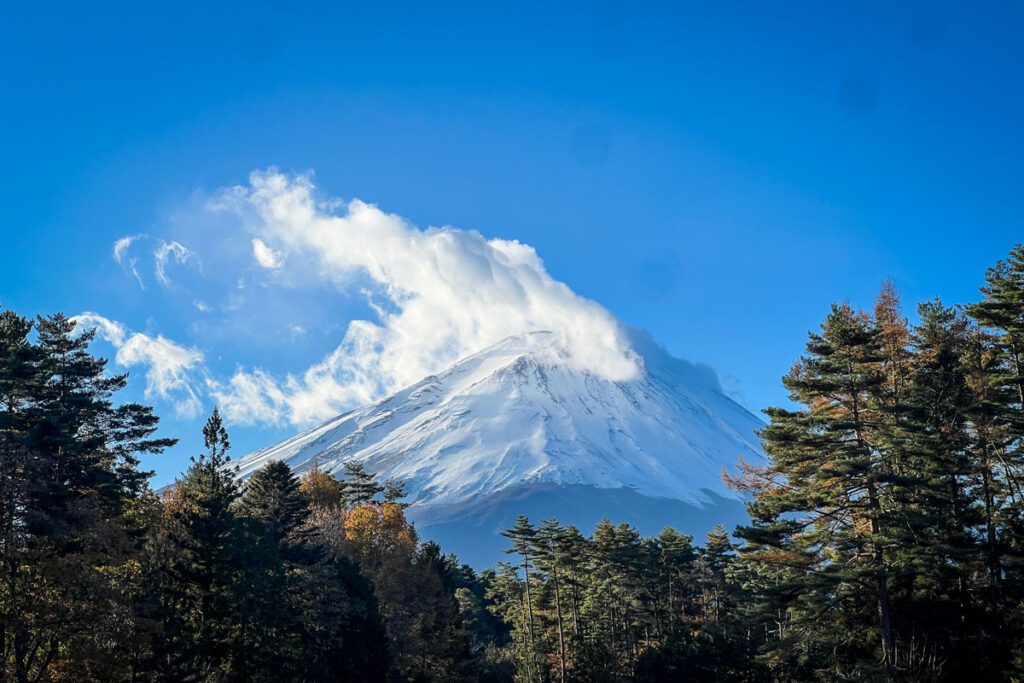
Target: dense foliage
<point>886,539</point>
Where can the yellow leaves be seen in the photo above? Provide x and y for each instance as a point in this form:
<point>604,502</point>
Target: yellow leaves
<point>362,523</point>
<point>320,488</point>
<point>378,529</point>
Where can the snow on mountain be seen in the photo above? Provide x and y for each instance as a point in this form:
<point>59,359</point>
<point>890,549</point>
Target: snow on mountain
<point>515,423</point>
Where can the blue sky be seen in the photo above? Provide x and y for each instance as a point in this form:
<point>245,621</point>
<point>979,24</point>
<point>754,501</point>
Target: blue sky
<point>717,174</point>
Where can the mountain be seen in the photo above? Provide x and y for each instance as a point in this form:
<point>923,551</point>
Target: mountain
<point>516,429</point>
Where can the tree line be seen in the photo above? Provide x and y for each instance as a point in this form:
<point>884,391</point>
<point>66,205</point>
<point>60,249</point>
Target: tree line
<point>886,539</point>
<point>273,579</point>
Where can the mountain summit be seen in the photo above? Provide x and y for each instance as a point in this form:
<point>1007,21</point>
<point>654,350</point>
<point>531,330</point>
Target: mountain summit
<point>514,429</point>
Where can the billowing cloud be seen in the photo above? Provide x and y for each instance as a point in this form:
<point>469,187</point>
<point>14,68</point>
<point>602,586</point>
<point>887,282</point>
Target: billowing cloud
<point>163,253</point>
<point>447,293</point>
<point>170,367</point>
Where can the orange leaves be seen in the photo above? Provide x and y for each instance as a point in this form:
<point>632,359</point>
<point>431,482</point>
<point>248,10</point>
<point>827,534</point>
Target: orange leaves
<point>376,530</point>
<point>320,488</point>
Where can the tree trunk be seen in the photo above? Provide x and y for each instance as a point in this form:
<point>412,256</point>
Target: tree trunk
<point>558,612</point>
<point>991,541</point>
<point>882,589</point>
<point>529,600</point>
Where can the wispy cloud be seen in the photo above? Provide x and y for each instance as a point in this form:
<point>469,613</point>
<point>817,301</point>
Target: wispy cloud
<point>164,252</point>
<point>170,367</point>
<point>124,259</point>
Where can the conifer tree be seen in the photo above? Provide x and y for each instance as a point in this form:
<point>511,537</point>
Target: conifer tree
<point>523,536</point>
<point>202,579</point>
<point>549,561</point>
<point>572,547</point>
<point>942,555</point>
<point>998,385</point>
<point>676,566</point>
<point>273,498</point>
<point>713,560</point>
<point>358,486</point>
<point>274,554</point>
<point>394,491</point>
<point>70,521</point>
<point>821,503</point>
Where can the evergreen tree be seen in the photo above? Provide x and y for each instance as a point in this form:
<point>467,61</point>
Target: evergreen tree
<point>273,552</point>
<point>201,578</point>
<point>676,558</point>
<point>359,487</point>
<point>821,505</point>
<point>713,560</point>
<point>273,498</point>
<point>523,536</point>
<point>394,491</point>
<point>70,517</point>
<point>547,552</point>
<point>998,385</point>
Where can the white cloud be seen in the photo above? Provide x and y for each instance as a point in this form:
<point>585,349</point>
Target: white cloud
<point>124,259</point>
<point>251,398</point>
<point>265,256</point>
<point>169,366</point>
<point>167,250</point>
<point>121,246</point>
<point>449,293</point>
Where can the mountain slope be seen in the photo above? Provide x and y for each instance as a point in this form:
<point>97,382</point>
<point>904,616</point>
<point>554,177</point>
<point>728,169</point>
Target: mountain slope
<point>517,419</point>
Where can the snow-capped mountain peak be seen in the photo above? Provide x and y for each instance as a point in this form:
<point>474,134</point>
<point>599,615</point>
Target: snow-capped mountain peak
<point>516,414</point>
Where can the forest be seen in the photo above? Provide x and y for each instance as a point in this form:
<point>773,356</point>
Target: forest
<point>885,543</point>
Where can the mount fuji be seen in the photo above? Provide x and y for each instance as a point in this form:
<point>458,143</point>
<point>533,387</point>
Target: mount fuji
<point>517,429</point>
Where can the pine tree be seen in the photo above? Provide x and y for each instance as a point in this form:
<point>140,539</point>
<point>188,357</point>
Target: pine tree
<point>821,503</point>
<point>549,561</point>
<point>202,577</point>
<point>523,537</point>
<point>1002,310</point>
<point>358,486</point>
<point>941,555</point>
<point>71,524</point>
<point>274,499</point>
<point>713,559</point>
<point>998,384</point>
<point>676,557</point>
<point>572,547</point>
<point>274,554</point>
<point>394,491</point>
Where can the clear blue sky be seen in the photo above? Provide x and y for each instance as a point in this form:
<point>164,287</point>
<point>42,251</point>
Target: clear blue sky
<point>717,173</point>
